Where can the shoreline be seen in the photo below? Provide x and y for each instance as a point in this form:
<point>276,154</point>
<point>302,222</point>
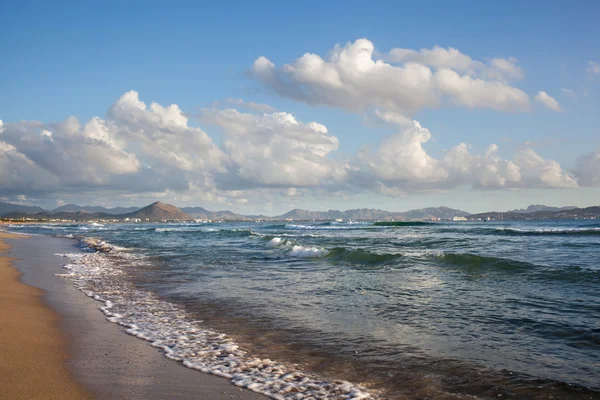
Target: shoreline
<point>105,360</point>
<point>33,353</point>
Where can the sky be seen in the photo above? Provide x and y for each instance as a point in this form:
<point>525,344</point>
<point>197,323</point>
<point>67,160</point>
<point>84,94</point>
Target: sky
<point>266,106</point>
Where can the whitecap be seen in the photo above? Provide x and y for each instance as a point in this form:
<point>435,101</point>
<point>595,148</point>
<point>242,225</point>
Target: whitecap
<point>307,252</point>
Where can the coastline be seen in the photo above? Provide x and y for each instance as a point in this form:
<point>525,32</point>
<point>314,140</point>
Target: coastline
<point>104,359</point>
<point>33,353</point>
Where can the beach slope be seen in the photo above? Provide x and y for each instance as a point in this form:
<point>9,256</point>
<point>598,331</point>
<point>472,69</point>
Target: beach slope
<point>32,352</point>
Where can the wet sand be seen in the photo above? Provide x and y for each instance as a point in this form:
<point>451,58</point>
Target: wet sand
<point>33,353</point>
<point>104,359</point>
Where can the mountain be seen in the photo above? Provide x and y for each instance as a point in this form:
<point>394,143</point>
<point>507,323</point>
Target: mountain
<point>571,213</point>
<point>434,212</point>
<point>7,208</point>
<point>158,212</point>
<point>366,214</point>
<point>203,213</point>
<point>539,207</point>
<point>95,209</point>
<point>196,212</point>
<point>372,214</point>
<point>299,214</point>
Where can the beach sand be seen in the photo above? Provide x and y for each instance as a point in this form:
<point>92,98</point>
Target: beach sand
<point>107,362</point>
<point>32,352</point>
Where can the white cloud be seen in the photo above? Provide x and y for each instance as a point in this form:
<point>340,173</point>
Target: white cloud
<point>587,169</point>
<point>548,101</point>
<point>164,134</point>
<point>249,105</point>
<point>354,78</point>
<point>137,148</point>
<point>274,150</point>
<point>401,164</point>
<point>66,153</point>
<point>479,93</point>
<point>501,69</point>
<point>143,151</point>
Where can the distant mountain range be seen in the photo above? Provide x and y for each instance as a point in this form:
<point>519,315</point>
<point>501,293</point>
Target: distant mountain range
<point>570,213</point>
<point>538,207</point>
<point>203,213</point>
<point>369,214</point>
<point>6,208</point>
<point>160,212</point>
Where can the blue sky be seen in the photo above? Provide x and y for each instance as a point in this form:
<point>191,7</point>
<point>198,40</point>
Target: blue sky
<point>77,59</point>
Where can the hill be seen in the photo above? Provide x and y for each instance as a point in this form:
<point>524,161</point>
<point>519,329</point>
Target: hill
<point>540,207</point>
<point>7,208</point>
<point>203,213</point>
<point>434,212</point>
<point>373,214</point>
<point>575,213</point>
<point>158,212</point>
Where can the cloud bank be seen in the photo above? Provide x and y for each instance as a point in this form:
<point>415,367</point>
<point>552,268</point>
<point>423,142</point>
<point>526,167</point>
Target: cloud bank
<point>139,148</point>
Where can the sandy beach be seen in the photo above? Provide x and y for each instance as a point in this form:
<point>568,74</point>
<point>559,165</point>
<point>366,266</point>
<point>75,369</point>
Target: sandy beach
<point>56,344</point>
<point>33,353</point>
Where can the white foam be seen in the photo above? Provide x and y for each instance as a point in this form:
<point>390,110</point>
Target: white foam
<point>321,227</point>
<point>169,327</point>
<point>275,242</point>
<point>307,252</point>
<point>550,230</point>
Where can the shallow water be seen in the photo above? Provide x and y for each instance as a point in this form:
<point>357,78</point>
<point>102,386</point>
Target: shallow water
<point>440,310</point>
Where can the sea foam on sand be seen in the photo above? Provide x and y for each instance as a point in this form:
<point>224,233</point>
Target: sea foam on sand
<point>169,327</point>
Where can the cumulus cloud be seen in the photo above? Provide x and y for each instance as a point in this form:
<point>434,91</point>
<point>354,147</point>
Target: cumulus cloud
<point>587,169</point>
<point>401,163</point>
<point>37,155</point>
<point>501,69</point>
<point>274,150</point>
<point>249,105</point>
<point>548,101</point>
<point>403,81</point>
<point>164,134</point>
<point>144,151</point>
<point>137,148</point>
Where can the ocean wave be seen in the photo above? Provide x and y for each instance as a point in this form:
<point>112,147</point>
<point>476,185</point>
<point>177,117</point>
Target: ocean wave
<point>549,231</point>
<point>275,242</point>
<point>362,257</point>
<point>102,246</point>
<point>403,223</point>
<point>327,227</point>
<point>307,252</point>
<point>336,254</point>
<point>144,315</point>
<point>212,232</point>
<point>275,226</point>
<point>474,261</point>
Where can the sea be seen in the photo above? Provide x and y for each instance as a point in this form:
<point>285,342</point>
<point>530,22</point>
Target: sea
<point>357,310</point>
